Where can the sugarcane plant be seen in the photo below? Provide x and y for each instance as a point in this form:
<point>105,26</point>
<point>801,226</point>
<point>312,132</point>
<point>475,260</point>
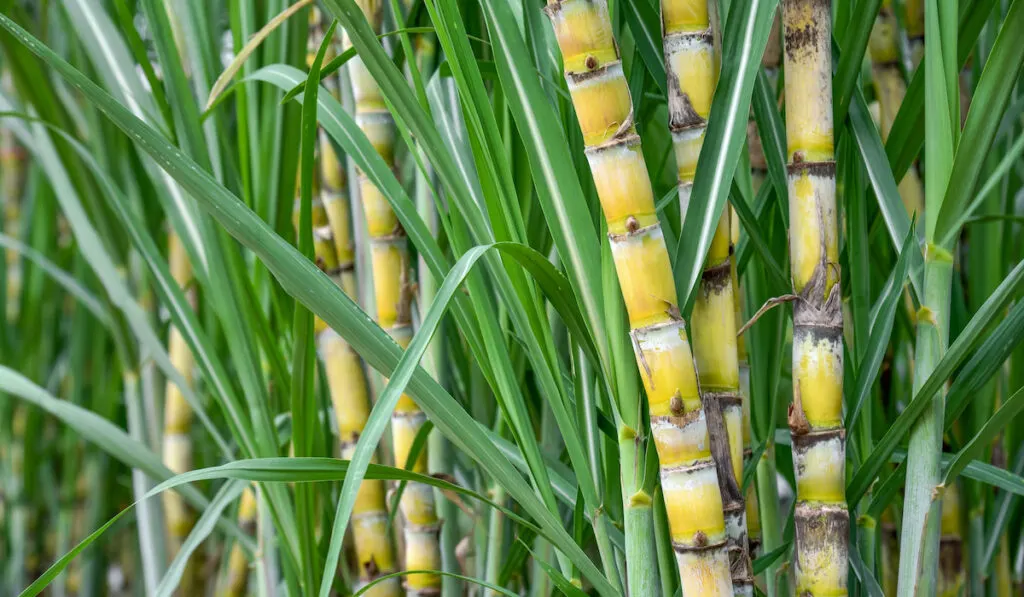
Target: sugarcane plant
<point>478,297</point>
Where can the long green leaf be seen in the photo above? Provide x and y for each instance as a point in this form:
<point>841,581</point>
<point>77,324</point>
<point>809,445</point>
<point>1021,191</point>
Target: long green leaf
<point>997,81</point>
<point>956,354</point>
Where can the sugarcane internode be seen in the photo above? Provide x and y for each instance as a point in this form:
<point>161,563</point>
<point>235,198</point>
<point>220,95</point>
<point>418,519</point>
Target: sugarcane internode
<point>689,479</point>
<point>815,417</point>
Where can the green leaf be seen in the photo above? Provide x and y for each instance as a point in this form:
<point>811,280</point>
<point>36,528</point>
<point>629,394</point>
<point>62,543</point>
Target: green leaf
<point>986,362</point>
<point>381,414</point>
<point>645,24</point>
<point>264,470</point>
<point>764,562</point>
<point>983,438</point>
<point>882,316</point>
<point>957,352</point>
<point>997,81</point>
<point>92,248</point>
<point>894,213</point>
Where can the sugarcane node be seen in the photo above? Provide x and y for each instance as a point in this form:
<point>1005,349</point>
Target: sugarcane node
<point>716,277</point>
<point>822,169</point>
<point>632,224</point>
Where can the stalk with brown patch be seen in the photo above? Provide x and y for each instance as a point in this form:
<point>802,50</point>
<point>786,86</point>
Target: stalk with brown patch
<point>815,416</point>
<point>679,424</point>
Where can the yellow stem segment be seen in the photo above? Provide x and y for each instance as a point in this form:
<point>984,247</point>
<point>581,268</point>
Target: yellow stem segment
<point>178,425</point>
<point>393,291</point>
<point>815,417</point>
<point>691,62</point>
<point>238,565</point>
<point>679,426</point>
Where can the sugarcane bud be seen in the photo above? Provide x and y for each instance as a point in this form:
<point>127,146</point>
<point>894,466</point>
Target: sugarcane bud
<point>632,224</point>
<point>371,567</point>
<point>676,405</point>
<point>590,62</point>
<point>798,424</point>
<point>700,539</point>
<point>640,499</point>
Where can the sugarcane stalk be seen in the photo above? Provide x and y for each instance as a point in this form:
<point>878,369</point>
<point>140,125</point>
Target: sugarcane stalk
<point>691,58</point>
<point>346,377</point>
<point>815,417</point>
<point>177,447</point>
<point>679,425</point>
<point>393,294</point>
<point>919,545</point>
<point>238,564</point>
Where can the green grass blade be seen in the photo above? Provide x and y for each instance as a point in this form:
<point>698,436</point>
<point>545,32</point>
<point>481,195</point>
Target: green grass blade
<point>957,352</point>
<point>991,96</point>
<point>90,244</point>
<point>303,406</point>
<point>986,362</point>
<point>882,316</point>
<point>983,438</point>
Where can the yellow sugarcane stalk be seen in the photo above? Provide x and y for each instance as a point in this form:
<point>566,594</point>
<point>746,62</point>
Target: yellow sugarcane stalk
<point>691,62</point>
<point>346,378</point>
<point>178,424</point>
<point>392,287</point>
<point>238,564</point>
<point>679,426</point>
<point>890,89</point>
<point>815,416</point>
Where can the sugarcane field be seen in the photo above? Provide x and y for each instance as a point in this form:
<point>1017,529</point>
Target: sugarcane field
<point>524,298</point>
